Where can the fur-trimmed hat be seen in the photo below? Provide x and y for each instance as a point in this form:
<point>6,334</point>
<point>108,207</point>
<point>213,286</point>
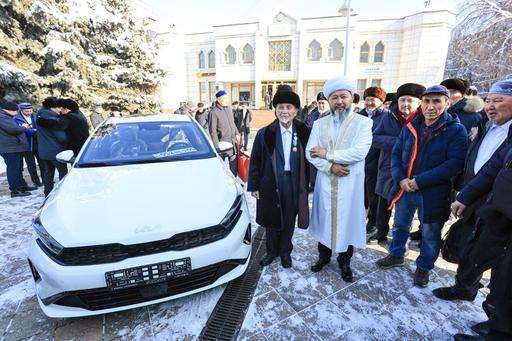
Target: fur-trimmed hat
<point>70,104</point>
<point>375,91</point>
<point>320,96</point>
<point>390,97</point>
<point>410,89</point>
<point>285,94</point>
<point>51,102</point>
<point>458,84</point>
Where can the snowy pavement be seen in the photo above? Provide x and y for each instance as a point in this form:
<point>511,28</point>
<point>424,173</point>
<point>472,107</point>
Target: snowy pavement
<point>288,303</point>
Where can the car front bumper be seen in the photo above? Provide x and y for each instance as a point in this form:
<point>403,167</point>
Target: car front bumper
<point>73,291</point>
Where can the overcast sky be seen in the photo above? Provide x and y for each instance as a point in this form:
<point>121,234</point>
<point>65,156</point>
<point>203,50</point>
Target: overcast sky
<point>199,15</point>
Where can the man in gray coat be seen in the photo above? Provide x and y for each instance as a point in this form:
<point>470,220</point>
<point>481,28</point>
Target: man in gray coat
<point>13,144</point>
<point>222,128</point>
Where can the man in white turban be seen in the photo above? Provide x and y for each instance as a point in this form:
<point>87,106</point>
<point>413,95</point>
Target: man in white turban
<point>337,147</point>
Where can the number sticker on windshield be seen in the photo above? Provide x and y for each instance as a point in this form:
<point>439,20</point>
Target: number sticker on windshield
<point>175,152</point>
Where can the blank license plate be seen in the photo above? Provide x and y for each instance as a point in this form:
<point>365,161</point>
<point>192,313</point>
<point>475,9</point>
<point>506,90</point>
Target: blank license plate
<point>148,274</point>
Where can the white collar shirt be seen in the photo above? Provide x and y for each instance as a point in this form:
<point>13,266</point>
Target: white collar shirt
<point>286,138</point>
<point>492,140</point>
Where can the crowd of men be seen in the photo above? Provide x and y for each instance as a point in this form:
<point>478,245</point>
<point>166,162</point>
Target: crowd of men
<point>24,135</point>
<point>420,151</point>
<point>425,151</point>
<point>223,122</point>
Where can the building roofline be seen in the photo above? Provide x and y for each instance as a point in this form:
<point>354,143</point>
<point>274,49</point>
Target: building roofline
<point>372,19</point>
<point>197,33</point>
<point>242,23</point>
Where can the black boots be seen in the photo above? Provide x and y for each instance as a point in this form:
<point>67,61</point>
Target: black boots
<point>319,265</point>
<point>454,293</point>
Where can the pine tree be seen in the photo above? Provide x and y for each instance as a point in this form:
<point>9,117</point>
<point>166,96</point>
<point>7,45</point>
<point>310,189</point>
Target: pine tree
<point>94,51</point>
<point>481,43</point>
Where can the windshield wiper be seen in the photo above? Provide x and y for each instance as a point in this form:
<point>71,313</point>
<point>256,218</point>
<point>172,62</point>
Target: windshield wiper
<point>97,164</point>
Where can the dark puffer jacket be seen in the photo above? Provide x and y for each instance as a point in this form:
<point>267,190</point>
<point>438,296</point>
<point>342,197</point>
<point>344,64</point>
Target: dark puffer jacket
<point>443,158</point>
<point>469,111</point>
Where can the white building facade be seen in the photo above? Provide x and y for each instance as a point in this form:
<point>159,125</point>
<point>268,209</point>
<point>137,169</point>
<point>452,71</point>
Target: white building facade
<point>249,60</point>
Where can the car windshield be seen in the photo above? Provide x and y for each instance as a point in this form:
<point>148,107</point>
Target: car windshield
<point>116,144</point>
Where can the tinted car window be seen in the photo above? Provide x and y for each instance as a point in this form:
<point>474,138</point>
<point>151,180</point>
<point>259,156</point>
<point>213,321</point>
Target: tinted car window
<point>145,142</point>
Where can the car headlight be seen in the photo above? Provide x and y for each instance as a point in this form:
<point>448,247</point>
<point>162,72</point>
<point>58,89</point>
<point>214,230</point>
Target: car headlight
<point>45,237</point>
<point>234,212</point>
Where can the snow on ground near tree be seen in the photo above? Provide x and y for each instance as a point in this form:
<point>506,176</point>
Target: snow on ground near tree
<point>288,303</point>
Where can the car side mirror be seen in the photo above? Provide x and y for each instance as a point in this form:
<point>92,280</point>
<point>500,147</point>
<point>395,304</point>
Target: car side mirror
<point>66,156</point>
<point>224,146</point>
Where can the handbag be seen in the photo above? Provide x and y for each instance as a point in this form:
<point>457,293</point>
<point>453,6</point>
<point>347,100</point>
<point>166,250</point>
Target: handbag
<point>242,164</point>
<point>455,240</point>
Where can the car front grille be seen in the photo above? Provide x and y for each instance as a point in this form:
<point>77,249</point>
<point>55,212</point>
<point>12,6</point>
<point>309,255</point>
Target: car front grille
<point>115,252</point>
<point>105,298</point>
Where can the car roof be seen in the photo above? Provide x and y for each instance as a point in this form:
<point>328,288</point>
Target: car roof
<point>150,118</point>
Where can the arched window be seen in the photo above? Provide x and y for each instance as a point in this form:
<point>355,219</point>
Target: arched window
<point>314,51</point>
<point>248,54</point>
<point>335,50</point>
<point>378,55</point>
<point>364,53</point>
<point>230,55</point>
<point>211,59</point>
<point>201,60</point>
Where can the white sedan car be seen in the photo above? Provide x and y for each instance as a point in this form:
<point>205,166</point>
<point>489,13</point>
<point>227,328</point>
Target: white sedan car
<point>148,213</point>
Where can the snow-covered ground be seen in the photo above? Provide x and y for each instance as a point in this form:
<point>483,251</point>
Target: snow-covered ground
<point>288,303</point>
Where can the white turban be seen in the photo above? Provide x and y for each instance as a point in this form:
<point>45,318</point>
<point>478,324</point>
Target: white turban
<point>339,83</point>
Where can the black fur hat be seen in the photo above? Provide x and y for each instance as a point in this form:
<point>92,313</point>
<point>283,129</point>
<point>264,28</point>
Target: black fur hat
<point>410,89</point>
<point>285,94</point>
<point>458,84</point>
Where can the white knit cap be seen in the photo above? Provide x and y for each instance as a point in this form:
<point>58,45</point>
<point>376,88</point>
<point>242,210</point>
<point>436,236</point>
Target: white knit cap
<point>339,83</point>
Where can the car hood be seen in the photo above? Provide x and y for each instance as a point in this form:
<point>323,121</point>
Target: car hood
<point>138,203</point>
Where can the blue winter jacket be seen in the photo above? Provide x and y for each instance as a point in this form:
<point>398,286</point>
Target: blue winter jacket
<point>30,132</point>
<point>442,158</point>
<point>50,141</point>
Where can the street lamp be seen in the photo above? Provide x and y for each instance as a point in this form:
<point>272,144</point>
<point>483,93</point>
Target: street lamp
<point>345,12</point>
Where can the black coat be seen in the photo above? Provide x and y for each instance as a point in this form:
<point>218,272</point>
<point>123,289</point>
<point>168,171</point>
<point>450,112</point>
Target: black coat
<point>372,159</point>
<point>385,136</point>
<point>263,175</point>
<point>468,174</point>
<point>74,124</point>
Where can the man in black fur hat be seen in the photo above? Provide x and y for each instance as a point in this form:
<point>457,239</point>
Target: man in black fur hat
<point>279,177</point>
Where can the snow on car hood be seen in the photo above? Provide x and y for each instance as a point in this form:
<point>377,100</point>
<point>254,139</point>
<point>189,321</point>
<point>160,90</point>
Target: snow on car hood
<point>138,203</point>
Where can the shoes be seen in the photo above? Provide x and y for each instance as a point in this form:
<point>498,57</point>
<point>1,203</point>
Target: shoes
<point>15,194</point>
<point>346,273</point>
<point>466,337</point>
<point>421,278</point>
<point>454,293</point>
<point>38,184</point>
<point>416,235</point>
<point>374,240</point>
<point>286,262</point>
<point>266,260</point>
<point>481,328</point>
<point>319,265</point>
<point>390,262</point>
<point>28,188</point>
